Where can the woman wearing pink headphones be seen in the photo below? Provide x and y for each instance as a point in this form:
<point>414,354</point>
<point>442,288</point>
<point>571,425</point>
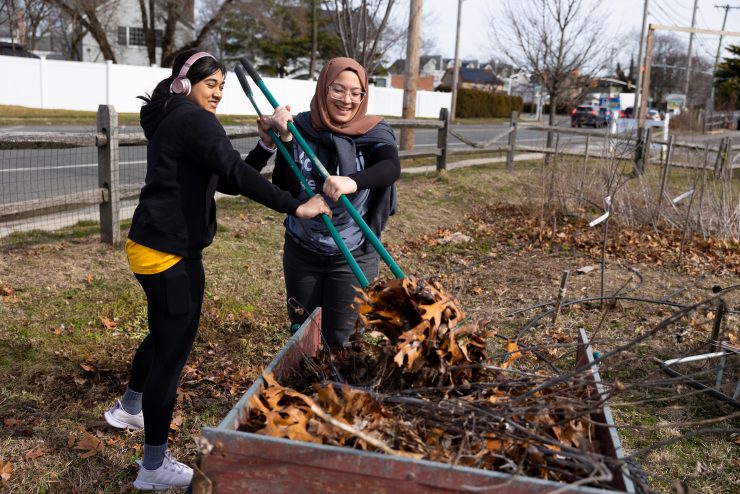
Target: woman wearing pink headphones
<point>189,158</point>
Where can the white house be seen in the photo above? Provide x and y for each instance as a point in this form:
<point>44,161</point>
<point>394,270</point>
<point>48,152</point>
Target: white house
<point>122,22</point>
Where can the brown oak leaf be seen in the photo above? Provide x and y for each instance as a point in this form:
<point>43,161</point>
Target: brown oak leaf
<point>90,445</point>
<point>34,453</point>
<point>6,469</point>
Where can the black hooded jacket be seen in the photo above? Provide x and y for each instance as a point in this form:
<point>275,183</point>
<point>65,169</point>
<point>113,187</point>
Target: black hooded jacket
<point>189,158</point>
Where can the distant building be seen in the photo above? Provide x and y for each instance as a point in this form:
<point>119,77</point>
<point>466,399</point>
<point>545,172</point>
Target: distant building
<point>482,79</point>
<point>123,25</point>
<point>430,66</point>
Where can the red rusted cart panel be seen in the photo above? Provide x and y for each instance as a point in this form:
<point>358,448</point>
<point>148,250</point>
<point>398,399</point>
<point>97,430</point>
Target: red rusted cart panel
<point>242,462</point>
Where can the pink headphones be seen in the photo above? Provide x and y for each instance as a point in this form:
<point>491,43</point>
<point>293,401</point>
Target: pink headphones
<point>181,84</point>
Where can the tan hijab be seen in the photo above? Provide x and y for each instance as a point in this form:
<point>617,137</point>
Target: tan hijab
<point>361,122</point>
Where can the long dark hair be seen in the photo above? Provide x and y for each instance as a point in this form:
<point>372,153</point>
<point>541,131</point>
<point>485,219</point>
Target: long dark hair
<point>201,69</point>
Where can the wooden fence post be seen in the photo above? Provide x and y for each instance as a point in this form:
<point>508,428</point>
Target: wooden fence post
<point>108,179</point>
<point>726,162</point>
<point>720,161</point>
<point>583,173</point>
<point>639,150</point>
<point>442,136</point>
<point>646,149</point>
<point>512,142</point>
<point>664,177</point>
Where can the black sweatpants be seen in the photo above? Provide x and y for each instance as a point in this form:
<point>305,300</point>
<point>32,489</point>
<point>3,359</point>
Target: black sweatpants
<point>174,298</point>
<point>315,280</point>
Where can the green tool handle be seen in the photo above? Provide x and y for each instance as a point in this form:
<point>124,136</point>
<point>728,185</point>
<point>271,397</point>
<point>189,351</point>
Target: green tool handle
<point>309,191</point>
<point>369,234</point>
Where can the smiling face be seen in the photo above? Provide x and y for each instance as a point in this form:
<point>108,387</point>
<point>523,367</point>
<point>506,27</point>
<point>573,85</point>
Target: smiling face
<point>208,92</point>
<point>342,109</point>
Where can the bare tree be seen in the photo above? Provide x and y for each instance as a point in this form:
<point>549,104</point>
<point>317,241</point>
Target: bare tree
<point>9,13</point>
<point>362,26</point>
<point>86,12</point>
<point>88,15</point>
<point>558,41</point>
<point>37,19</point>
<point>148,23</point>
<point>168,40</point>
<point>668,72</point>
<point>66,34</point>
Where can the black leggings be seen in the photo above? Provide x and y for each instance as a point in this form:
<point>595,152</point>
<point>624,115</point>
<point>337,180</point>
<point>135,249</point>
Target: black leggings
<point>174,298</point>
<point>315,280</point>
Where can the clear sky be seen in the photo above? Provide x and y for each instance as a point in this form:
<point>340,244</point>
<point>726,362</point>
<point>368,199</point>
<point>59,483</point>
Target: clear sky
<point>626,15</point>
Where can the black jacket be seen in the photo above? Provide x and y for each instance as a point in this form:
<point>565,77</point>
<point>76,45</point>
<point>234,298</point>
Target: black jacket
<point>189,158</point>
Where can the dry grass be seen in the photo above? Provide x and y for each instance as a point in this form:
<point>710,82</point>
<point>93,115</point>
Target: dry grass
<point>60,367</point>
<point>21,115</point>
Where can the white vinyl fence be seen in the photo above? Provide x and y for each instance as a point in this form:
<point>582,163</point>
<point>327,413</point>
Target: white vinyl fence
<point>42,83</point>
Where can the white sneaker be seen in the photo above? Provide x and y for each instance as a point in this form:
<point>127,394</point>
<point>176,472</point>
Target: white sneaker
<point>170,474</point>
<point>121,419</point>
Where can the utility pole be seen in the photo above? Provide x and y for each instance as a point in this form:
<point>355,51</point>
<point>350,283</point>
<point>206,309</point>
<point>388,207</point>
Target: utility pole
<point>688,63</point>
<point>412,71</point>
<point>642,109</point>
<point>640,65</point>
<point>456,66</point>
<point>727,8</point>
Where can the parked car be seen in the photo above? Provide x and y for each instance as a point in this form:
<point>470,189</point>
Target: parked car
<point>653,114</point>
<point>583,115</point>
<point>607,114</point>
<point>626,113</point>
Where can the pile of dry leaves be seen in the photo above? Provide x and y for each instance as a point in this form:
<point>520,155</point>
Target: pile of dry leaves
<point>420,382</point>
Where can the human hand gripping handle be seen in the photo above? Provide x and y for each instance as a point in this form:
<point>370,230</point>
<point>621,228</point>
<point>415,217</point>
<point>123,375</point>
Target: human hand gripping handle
<point>337,185</point>
<point>315,206</point>
<point>278,121</point>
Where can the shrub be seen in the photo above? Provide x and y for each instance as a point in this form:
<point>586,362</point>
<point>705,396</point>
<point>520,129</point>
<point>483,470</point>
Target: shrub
<point>474,103</point>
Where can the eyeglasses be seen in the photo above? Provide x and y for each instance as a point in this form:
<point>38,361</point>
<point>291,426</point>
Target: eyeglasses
<point>338,92</point>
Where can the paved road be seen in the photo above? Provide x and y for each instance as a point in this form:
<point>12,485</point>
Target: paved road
<point>33,174</point>
<point>44,173</point>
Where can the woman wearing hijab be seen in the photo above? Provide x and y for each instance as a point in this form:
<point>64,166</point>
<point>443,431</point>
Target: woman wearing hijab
<point>189,158</point>
<point>359,152</point>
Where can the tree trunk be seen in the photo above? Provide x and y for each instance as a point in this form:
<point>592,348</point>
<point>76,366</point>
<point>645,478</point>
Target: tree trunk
<point>551,121</point>
<point>168,37</point>
<point>147,24</point>
<point>97,31</point>
<point>169,54</point>
<point>92,24</point>
<point>314,36</point>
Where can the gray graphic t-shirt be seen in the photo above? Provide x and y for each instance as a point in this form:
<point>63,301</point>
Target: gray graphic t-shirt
<point>312,234</point>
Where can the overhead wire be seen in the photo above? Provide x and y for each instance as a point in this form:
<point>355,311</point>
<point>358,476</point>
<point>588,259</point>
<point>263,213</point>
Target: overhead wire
<point>667,13</point>
<point>700,39</point>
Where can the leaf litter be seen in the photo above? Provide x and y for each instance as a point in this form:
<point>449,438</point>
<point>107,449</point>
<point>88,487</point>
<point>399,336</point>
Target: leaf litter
<point>421,380</point>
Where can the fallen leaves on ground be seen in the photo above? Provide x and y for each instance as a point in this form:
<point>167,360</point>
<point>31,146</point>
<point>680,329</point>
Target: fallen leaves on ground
<point>8,295</point>
<point>524,229</point>
<point>90,445</point>
<point>108,323</point>
<point>6,470</point>
<point>33,453</point>
<point>177,422</point>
